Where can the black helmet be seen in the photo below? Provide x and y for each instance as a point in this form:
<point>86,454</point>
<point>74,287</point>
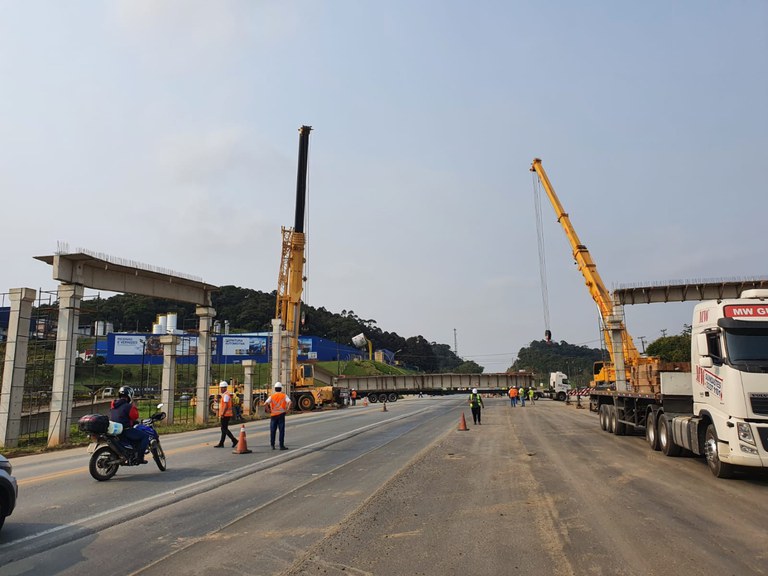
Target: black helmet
<point>126,391</point>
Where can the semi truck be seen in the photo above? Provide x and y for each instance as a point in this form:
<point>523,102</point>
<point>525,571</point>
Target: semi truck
<point>558,387</point>
<point>717,407</point>
<point>388,388</point>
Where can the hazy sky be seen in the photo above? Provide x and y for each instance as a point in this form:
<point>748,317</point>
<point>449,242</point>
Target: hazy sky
<point>166,132</point>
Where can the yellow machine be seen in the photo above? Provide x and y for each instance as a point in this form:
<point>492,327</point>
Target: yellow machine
<point>636,367</point>
<point>290,285</point>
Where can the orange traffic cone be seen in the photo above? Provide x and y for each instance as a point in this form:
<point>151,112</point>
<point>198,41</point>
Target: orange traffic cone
<point>463,424</point>
<point>384,407</point>
<point>241,447</point>
<point>365,401</point>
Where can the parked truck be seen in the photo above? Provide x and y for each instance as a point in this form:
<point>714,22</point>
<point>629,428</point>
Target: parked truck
<point>558,387</point>
<point>718,407</point>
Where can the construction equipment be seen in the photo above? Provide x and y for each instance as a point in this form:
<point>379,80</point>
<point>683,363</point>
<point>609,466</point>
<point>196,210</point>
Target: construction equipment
<point>298,378</point>
<point>624,356</point>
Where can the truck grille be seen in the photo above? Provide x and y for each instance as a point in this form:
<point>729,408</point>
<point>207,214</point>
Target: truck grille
<point>763,434</point>
<point>759,403</point>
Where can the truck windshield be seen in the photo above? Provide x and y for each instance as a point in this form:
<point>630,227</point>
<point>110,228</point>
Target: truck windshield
<point>747,345</point>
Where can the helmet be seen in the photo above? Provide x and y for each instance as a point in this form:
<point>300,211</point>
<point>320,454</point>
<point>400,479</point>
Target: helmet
<point>278,386</point>
<point>474,390</point>
<point>223,384</point>
<point>126,391</point>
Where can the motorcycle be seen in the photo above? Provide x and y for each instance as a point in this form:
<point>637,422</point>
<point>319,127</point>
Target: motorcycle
<point>109,450</point>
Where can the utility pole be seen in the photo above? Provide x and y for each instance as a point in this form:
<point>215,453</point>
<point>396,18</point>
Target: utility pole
<point>642,342</point>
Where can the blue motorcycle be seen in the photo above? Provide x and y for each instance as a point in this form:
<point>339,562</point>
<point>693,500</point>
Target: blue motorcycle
<point>109,450</point>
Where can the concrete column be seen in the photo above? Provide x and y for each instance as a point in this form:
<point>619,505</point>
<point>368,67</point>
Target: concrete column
<point>168,381</point>
<point>15,367</point>
<point>249,367</point>
<point>206,315</point>
<point>70,296</point>
<point>616,326</point>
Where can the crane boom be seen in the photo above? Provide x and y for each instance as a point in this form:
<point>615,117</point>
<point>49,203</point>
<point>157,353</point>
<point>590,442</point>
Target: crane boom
<point>594,282</point>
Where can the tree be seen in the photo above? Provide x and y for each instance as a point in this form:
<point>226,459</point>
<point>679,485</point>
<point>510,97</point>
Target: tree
<point>469,367</point>
<point>672,348</point>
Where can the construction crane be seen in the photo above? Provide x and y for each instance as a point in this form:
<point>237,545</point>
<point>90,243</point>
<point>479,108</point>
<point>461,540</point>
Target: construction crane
<point>614,332</point>
<point>298,378</point>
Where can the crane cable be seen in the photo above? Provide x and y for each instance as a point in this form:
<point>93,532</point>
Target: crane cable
<point>542,255</point>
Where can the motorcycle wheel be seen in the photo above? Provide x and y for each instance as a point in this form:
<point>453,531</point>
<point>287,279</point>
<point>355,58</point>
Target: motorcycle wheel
<point>158,454</point>
<point>104,464</point>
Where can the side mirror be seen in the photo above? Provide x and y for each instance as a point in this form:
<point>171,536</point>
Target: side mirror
<point>701,344</point>
<point>706,362</point>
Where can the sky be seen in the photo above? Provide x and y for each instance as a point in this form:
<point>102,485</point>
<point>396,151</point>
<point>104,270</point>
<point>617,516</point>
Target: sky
<point>166,132</point>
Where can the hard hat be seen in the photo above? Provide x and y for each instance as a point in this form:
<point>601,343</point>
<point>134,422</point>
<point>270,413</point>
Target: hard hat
<point>474,390</point>
<point>223,384</point>
<point>278,386</point>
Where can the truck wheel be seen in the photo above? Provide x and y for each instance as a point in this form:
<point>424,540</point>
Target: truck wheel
<point>391,397</point>
<point>651,434</point>
<point>719,468</point>
<point>610,411</point>
<point>382,397</point>
<point>373,398</point>
<point>306,402</point>
<point>666,445</point>
<point>619,428</point>
<point>603,416</point>
<point>561,396</point>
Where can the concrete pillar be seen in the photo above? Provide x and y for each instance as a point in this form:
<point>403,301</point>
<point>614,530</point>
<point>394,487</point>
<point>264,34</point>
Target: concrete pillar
<point>70,296</point>
<point>206,315</point>
<point>15,367</point>
<point>249,367</point>
<point>616,326</point>
<point>168,381</point>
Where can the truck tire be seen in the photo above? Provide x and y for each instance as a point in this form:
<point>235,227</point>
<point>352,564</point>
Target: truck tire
<point>651,433</point>
<point>719,468</point>
<point>561,396</point>
<point>603,416</point>
<point>619,428</point>
<point>306,402</point>
<point>666,445</point>
<point>382,397</point>
<point>373,398</point>
<point>391,397</point>
<point>610,413</point>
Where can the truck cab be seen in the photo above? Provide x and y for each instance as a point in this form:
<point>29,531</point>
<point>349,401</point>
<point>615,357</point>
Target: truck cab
<point>559,386</point>
<point>729,351</point>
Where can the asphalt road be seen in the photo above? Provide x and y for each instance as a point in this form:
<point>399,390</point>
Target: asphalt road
<point>534,490</point>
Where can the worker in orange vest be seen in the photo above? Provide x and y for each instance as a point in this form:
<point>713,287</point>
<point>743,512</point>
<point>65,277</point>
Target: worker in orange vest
<point>225,413</point>
<point>513,396</point>
<point>277,406</point>
<point>354,396</point>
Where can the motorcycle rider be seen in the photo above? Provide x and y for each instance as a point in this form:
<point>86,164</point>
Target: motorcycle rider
<point>124,411</point>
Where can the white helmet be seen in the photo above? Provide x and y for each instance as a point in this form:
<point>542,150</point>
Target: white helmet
<point>474,390</point>
<point>223,384</point>
<point>278,386</point>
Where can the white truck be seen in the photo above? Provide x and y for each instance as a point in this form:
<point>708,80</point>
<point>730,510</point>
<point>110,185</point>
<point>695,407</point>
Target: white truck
<point>719,408</point>
<point>558,387</point>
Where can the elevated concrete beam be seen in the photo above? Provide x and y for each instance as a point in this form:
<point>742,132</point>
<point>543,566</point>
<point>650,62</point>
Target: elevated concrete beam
<point>687,292</point>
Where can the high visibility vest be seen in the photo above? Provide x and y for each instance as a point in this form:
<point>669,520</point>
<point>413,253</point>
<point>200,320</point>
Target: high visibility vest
<point>474,400</point>
<point>354,393</point>
<point>513,392</point>
<point>225,405</point>
<point>278,404</point>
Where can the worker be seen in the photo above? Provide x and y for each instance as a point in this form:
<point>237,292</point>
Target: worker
<point>354,396</point>
<point>521,394</point>
<point>277,405</point>
<point>225,413</point>
<point>513,396</point>
<point>237,406</point>
<point>531,395</point>
<point>476,404</point>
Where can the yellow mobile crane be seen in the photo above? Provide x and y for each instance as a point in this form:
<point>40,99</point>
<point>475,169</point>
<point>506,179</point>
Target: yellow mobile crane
<point>615,334</point>
<point>298,378</point>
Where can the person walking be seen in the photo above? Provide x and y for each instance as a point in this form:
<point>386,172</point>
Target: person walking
<point>522,393</point>
<point>531,396</point>
<point>276,406</point>
<point>225,413</point>
<point>513,396</point>
<point>476,404</point>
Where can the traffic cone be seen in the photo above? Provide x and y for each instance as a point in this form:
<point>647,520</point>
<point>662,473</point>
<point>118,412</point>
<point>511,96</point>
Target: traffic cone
<point>463,424</point>
<point>242,446</point>
<point>384,407</point>
<point>365,401</point>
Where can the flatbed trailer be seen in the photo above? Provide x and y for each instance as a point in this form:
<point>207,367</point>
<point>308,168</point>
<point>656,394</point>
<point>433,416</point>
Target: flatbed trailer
<point>388,388</point>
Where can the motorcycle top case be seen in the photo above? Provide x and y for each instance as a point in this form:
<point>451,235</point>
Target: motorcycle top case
<point>95,423</point>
